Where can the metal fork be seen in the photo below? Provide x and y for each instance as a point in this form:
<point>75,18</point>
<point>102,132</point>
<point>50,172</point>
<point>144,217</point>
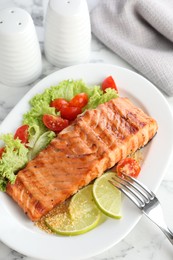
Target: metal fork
<point>144,199</point>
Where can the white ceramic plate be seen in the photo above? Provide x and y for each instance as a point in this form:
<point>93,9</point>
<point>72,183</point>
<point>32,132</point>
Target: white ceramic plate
<point>19,233</point>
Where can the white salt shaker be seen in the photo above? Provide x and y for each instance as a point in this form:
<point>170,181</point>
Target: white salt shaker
<point>67,32</point>
<point>20,56</point>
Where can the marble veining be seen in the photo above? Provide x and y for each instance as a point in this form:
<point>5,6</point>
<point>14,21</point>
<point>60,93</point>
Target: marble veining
<point>145,241</point>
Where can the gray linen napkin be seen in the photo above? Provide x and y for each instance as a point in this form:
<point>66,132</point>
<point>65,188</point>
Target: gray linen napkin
<point>141,32</point>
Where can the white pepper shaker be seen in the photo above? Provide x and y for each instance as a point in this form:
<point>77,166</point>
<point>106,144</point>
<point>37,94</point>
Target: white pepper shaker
<point>20,55</point>
<point>67,32</point>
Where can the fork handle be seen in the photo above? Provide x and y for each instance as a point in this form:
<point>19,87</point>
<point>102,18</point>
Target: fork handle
<point>161,224</point>
<point>167,233</point>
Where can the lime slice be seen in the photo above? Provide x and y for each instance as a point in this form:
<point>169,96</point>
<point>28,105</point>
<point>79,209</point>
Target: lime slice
<point>83,203</point>
<point>81,216</point>
<point>107,197</point>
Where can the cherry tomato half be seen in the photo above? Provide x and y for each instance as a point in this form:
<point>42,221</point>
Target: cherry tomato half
<point>128,166</point>
<point>80,100</point>
<point>70,113</point>
<point>58,103</point>
<point>2,149</point>
<point>55,123</point>
<point>108,83</point>
<point>22,133</point>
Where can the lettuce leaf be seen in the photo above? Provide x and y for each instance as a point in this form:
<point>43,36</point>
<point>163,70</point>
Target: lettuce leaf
<point>41,143</point>
<point>67,89</point>
<point>13,159</point>
<point>16,155</point>
<point>34,133</point>
<point>34,116</point>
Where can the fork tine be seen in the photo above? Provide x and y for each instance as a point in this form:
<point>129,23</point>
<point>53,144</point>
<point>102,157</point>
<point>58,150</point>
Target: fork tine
<point>145,188</point>
<point>134,187</point>
<point>130,196</point>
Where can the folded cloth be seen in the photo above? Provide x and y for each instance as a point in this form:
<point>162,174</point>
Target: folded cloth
<point>141,32</point>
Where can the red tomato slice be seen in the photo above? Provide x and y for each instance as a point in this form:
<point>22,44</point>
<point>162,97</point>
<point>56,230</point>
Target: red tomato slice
<point>128,166</point>
<point>22,133</point>
<point>70,113</point>
<point>80,100</point>
<point>108,83</point>
<point>55,123</point>
<point>58,103</point>
<point>2,149</point>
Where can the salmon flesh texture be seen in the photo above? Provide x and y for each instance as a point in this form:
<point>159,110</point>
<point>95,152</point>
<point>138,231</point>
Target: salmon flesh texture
<point>95,142</point>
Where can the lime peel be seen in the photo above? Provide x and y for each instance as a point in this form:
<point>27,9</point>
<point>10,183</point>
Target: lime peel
<point>81,216</point>
<point>107,197</point>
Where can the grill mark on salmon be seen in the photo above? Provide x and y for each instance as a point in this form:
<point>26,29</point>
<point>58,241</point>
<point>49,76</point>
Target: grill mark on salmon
<point>78,140</point>
<point>95,142</point>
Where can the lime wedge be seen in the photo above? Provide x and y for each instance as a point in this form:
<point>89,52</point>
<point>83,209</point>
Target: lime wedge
<point>81,216</point>
<point>107,197</point>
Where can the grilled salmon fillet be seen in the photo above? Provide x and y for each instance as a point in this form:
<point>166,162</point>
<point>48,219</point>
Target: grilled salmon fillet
<point>95,142</point>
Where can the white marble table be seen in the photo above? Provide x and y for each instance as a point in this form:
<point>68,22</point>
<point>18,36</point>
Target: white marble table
<point>145,241</point>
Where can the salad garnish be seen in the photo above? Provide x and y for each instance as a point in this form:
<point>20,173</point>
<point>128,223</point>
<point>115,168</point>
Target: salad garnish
<point>50,112</point>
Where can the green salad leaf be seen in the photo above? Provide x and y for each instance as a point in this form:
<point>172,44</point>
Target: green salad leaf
<point>34,133</point>
<point>16,155</point>
<point>67,89</point>
<point>41,143</point>
<point>34,116</point>
<point>13,159</point>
